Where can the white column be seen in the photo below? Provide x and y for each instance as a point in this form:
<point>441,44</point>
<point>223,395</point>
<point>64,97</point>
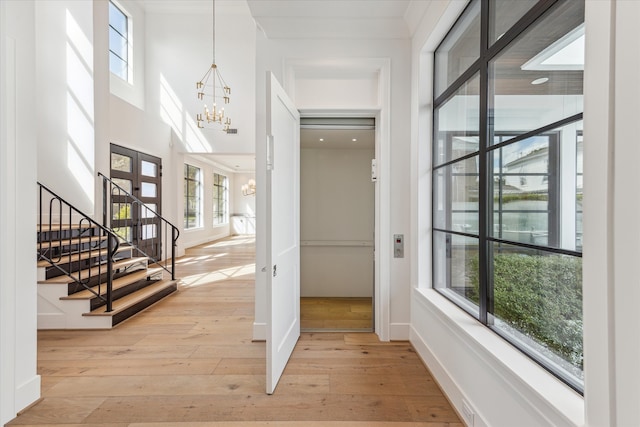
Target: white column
<point>611,205</point>
<point>19,382</point>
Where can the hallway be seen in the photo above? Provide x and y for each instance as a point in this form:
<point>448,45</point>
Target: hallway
<point>189,361</point>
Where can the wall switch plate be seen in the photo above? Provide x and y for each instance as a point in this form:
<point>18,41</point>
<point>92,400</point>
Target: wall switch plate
<point>398,245</point>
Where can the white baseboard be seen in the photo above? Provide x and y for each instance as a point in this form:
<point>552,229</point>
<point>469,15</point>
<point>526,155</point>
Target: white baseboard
<point>399,331</point>
<point>259,331</point>
<point>27,393</point>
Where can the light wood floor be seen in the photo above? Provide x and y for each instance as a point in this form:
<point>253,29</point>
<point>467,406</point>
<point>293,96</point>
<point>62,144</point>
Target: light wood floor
<point>189,361</point>
<point>318,313</point>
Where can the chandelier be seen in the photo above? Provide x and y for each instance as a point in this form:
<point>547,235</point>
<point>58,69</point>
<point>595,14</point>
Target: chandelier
<point>213,89</point>
<point>249,189</point>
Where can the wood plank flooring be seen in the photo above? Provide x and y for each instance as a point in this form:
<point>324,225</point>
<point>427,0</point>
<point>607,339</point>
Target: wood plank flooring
<point>189,361</point>
<point>346,314</point>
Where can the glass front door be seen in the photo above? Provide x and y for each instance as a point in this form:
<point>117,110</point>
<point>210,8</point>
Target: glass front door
<point>136,219</point>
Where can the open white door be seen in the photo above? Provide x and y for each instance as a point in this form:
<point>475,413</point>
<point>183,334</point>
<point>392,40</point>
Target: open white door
<point>283,230</point>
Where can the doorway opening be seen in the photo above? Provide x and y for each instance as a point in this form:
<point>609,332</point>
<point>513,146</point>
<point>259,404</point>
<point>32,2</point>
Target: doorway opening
<point>337,223</point>
<point>138,174</point>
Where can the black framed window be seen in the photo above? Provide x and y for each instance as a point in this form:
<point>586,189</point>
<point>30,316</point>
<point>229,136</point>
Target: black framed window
<point>220,199</point>
<point>119,25</point>
<point>507,175</point>
<point>192,196</point>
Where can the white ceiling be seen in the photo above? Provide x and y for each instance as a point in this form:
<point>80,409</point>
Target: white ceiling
<point>372,19</point>
<point>376,19</point>
<point>237,163</point>
<point>318,19</point>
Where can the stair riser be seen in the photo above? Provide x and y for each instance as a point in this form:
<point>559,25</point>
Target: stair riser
<point>72,288</point>
<point>63,234</point>
<point>60,251</point>
<point>122,292</point>
<point>52,272</point>
<point>131,311</point>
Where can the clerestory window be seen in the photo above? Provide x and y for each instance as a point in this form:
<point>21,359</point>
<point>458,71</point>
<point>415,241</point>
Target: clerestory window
<point>119,43</point>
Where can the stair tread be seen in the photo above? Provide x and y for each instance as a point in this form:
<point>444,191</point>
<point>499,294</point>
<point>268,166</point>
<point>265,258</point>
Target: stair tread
<point>124,303</point>
<point>78,256</point>
<point>94,270</point>
<point>118,283</point>
<point>53,243</point>
<point>124,246</point>
<point>58,227</point>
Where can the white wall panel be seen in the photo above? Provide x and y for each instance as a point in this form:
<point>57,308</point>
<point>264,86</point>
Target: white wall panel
<point>65,104</point>
<point>19,381</point>
<point>337,222</point>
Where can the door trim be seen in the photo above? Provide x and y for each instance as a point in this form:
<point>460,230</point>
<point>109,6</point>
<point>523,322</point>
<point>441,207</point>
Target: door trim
<point>382,239</point>
<point>341,119</point>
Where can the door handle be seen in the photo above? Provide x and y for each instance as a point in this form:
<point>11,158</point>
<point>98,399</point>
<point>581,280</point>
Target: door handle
<point>275,270</point>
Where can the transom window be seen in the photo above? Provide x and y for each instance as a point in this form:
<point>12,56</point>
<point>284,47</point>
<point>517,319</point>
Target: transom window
<point>220,199</point>
<point>192,197</point>
<point>119,45</point>
<point>507,175</point>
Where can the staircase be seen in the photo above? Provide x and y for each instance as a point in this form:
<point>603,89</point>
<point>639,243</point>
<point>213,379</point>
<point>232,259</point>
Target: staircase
<point>89,277</point>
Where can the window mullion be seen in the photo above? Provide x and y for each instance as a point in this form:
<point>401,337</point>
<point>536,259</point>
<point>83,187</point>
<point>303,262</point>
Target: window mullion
<point>485,263</point>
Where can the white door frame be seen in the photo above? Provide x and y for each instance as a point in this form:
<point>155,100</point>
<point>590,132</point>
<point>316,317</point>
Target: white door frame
<point>381,272</point>
<point>383,239</point>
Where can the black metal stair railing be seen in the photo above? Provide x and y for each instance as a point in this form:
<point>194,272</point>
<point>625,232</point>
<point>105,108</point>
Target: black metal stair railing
<point>138,226</point>
<point>76,245</point>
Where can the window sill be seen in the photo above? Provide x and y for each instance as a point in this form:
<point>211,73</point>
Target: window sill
<point>540,389</point>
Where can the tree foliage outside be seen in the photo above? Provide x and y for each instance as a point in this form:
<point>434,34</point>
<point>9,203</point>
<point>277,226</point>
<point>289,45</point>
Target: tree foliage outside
<point>541,297</point>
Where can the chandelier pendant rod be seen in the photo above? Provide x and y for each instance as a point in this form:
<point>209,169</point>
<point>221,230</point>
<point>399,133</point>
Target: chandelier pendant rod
<point>213,38</point>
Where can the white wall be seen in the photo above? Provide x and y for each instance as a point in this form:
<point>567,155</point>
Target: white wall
<point>467,359</point>
<point>19,382</point>
<point>611,229</point>
<point>243,208</point>
<point>178,44</point>
<point>338,59</point>
<point>120,119</point>
<point>175,43</point>
<point>163,124</point>
<point>65,81</point>
<point>336,222</point>
<point>242,205</point>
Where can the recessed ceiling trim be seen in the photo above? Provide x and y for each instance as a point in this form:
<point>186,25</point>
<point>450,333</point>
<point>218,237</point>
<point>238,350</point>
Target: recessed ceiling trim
<point>364,123</point>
